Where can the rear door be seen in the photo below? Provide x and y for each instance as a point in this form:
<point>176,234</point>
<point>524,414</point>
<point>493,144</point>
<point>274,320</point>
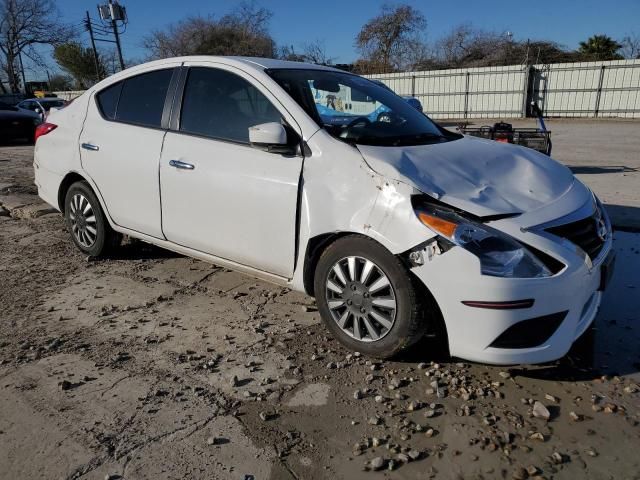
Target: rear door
<point>225,197</point>
<point>120,147</point>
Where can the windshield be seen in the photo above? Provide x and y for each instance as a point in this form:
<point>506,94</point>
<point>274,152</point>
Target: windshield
<point>357,110</point>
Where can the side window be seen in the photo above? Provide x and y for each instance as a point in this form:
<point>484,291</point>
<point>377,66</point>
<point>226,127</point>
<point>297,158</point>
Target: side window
<point>220,104</point>
<point>142,98</point>
<point>108,100</point>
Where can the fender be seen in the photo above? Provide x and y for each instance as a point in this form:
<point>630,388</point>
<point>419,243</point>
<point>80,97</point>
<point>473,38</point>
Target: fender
<point>326,205</point>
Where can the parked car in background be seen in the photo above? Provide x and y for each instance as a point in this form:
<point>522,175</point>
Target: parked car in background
<point>17,124</point>
<point>41,106</point>
<point>328,183</point>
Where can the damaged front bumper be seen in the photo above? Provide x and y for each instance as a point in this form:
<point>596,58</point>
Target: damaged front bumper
<point>514,320</point>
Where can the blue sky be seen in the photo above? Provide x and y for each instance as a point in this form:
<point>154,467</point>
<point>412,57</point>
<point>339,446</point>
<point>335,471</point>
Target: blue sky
<point>336,22</point>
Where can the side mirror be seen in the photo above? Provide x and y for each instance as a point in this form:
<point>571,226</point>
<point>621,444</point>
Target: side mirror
<point>271,133</point>
<point>271,137</point>
<point>37,110</point>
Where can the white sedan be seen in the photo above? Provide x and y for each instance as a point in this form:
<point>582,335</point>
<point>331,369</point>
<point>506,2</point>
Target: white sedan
<point>323,181</point>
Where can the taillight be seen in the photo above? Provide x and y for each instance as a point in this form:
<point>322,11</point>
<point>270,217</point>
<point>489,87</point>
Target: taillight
<point>43,129</point>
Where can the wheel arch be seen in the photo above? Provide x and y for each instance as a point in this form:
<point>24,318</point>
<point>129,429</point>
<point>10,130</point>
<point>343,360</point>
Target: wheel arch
<point>436,327</point>
<point>73,177</point>
<point>318,244</point>
<point>315,246</point>
<point>67,181</point>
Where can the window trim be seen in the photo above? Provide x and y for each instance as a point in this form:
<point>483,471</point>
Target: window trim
<point>164,118</point>
<point>95,96</point>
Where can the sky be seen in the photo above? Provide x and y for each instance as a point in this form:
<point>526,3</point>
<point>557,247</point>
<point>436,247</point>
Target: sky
<point>336,22</point>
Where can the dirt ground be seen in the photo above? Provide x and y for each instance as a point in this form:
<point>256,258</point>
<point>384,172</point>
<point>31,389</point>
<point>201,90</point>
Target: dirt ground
<point>152,365</point>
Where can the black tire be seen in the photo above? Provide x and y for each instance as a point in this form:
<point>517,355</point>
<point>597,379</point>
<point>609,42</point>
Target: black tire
<point>410,320</point>
<point>105,238</point>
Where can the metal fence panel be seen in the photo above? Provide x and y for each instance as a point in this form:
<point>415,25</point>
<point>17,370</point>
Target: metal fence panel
<point>69,94</point>
<point>584,89</point>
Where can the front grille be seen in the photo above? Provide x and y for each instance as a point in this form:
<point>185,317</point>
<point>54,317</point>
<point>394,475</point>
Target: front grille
<point>589,233</point>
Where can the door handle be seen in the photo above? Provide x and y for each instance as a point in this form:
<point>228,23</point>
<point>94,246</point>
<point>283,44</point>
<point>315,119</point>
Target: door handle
<point>89,146</point>
<point>181,165</point>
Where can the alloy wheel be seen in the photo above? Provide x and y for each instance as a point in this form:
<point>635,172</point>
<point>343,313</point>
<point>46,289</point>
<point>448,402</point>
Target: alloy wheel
<point>83,220</point>
<point>361,299</point>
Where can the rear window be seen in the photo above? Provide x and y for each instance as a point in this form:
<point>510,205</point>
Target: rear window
<point>142,98</point>
<point>108,100</point>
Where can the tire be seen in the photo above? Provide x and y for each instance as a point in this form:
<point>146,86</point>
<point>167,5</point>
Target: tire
<point>87,223</point>
<point>396,328</point>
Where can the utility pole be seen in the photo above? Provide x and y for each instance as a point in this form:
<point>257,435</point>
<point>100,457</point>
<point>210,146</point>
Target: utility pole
<point>93,46</point>
<point>112,12</point>
<point>24,79</point>
<point>117,35</point>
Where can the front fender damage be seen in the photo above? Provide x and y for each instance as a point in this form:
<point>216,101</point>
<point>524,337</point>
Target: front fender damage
<point>341,195</point>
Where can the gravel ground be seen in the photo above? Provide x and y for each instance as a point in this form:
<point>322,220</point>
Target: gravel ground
<point>152,365</point>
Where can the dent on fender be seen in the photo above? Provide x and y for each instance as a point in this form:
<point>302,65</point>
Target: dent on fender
<point>336,178</point>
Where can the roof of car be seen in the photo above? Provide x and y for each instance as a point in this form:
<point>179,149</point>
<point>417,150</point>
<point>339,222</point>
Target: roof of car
<point>255,63</point>
<point>267,63</point>
<point>258,63</point>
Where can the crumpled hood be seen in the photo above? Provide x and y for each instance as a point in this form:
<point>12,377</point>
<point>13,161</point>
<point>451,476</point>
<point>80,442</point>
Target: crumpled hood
<point>481,177</point>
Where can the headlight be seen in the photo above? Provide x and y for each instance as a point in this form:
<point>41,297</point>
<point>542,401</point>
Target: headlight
<point>499,254</point>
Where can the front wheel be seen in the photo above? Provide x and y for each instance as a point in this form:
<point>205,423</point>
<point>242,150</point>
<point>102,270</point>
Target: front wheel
<point>86,221</point>
<point>367,298</point>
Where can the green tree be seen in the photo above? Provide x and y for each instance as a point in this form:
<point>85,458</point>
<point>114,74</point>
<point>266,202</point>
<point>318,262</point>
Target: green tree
<point>600,47</point>
<point>59,82</point>
<point>79,63</point>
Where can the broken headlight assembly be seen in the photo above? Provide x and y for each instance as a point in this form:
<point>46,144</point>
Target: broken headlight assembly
<point>500,255</point>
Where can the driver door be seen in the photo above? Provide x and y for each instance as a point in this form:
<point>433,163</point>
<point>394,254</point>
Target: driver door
<point>220,195</point>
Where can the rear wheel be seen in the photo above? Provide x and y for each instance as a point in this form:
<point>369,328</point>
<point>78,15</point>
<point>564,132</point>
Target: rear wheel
<point>86,221</point>
<point>367,298</point>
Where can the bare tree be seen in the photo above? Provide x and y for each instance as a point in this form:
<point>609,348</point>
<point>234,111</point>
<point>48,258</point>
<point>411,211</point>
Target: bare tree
<point>23,25</point>
<point>311,52</point>
<point>288,52</point>
<point>467,46</point>
<point>315,52</point>
<point>392,40</point>
<point>241,32</point>
<point>631,46</point>
<point>249,18</point>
